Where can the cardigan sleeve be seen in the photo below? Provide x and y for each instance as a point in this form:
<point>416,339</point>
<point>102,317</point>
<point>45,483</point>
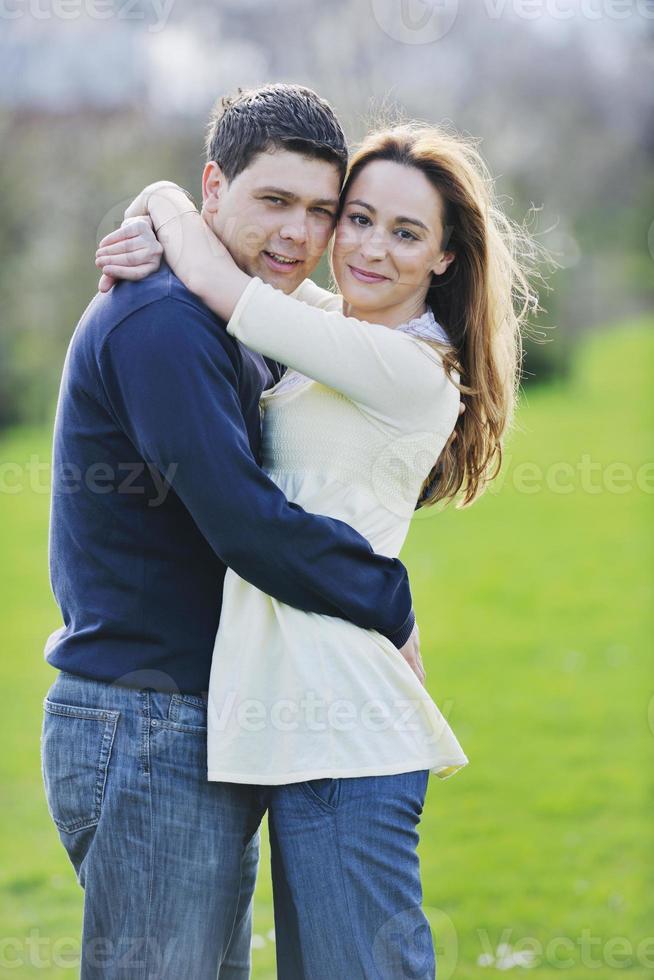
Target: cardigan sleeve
<point>313,294</point>
<point>388,373</point>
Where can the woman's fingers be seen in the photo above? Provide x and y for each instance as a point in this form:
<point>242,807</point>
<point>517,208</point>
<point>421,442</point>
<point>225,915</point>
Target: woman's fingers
<point>130,228</point>
<point>132,234</point>
<point>123,245</point>
<point>131,252</point>
<point>133,273</point>
<point>141,256</point>
<point>411,653</point>
<point>106,282</point>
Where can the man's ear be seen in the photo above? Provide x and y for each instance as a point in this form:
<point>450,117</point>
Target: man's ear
<point>213,184</point>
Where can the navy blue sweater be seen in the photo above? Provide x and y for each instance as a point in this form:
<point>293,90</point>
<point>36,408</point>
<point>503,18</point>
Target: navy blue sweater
<point>157,488</point>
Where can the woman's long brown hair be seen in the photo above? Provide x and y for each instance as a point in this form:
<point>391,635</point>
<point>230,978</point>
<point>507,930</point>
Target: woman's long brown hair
<point>483,300</point>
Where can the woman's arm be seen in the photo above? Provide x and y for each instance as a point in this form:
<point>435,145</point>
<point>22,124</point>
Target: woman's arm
<point>191,249</point>
<point>385,371</point>
<point>309,292</point>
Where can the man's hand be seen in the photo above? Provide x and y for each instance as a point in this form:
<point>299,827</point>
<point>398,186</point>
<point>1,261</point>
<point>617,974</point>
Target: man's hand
<point>411,653</point>
<point>132,252</point>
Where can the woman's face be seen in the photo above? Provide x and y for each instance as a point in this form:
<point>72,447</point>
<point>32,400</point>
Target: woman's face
<point>388,243</point>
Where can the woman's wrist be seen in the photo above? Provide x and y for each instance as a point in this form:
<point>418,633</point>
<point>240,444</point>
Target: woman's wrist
<point>163,204</point>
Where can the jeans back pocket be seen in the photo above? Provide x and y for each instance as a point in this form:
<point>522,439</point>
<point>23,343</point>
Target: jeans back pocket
<point>76,744</point>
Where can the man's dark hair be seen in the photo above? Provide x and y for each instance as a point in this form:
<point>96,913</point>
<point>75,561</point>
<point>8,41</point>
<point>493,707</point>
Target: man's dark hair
<point>289,117</point>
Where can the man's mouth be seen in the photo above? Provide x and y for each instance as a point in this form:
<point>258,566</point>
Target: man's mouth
<point>364,275</point>
<point>281,262</point>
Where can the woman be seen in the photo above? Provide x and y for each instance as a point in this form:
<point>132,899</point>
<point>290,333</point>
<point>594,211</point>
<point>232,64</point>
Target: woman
<point>336,720</point>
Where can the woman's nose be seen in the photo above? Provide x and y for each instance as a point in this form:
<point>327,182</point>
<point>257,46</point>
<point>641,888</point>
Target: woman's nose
<point>374,245</point>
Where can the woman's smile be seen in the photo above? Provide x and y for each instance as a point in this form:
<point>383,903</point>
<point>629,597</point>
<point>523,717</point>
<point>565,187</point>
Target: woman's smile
<point>364,275</point>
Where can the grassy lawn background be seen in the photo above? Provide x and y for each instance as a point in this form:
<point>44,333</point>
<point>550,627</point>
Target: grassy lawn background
<point>537,643</point>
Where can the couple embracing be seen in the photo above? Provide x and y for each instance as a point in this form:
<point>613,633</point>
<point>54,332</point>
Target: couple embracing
<point>244,642</point>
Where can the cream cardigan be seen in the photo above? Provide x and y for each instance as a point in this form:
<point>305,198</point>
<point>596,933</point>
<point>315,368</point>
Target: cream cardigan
<point>296,695</point>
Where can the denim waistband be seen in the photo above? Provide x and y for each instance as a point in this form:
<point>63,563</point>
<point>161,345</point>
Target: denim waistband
<point>103,694</point>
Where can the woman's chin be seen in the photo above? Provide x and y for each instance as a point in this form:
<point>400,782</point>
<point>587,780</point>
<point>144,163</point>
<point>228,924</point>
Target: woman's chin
<point>363,298</point>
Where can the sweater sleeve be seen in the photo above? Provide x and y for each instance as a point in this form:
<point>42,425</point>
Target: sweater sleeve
<point>386,372</point>
<point>314,295</point>
<point>171,377</point>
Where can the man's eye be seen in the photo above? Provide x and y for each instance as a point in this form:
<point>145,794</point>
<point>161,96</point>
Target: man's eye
<point>275,200</point>
<point>325,212</point>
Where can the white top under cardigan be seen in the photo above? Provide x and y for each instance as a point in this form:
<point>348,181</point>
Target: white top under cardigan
<point>296,695</point>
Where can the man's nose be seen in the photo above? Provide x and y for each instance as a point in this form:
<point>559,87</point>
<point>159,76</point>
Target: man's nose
<point>295,229</point>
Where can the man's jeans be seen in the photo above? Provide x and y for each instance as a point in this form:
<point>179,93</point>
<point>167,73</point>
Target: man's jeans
<point>167,860</point>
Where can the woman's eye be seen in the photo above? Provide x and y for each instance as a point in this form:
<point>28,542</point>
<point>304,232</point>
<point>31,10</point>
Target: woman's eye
<point>274,200</point>
<point>410,237</point>
<point>360,219</point>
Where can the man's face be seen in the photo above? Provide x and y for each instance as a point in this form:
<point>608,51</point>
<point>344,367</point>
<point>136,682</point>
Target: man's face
<point>275,217</point>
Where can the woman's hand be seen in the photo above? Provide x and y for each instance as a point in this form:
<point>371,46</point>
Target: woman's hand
<point>190,246</point>
<point>132,252</point>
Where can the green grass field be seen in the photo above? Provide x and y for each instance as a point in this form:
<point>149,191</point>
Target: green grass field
<point>537,642</point>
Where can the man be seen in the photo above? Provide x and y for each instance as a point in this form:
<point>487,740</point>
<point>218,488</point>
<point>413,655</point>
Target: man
<point>156,489</point>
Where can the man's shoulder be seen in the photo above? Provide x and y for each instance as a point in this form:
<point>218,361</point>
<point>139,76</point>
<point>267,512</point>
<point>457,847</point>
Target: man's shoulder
<point>159,299</point>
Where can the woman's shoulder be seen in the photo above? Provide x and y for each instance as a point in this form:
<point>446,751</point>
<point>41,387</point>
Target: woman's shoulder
<point>434,391</point>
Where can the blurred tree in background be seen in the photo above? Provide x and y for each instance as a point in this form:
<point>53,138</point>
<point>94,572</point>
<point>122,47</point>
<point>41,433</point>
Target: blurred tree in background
<point>92,109</point>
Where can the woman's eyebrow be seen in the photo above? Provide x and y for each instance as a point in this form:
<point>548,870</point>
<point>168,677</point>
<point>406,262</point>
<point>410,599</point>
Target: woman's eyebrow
<point>400,220</point>
<point>362,204</point>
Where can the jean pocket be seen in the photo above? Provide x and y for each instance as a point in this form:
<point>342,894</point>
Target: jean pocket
<point>326,792</point>
<point>76,744</point>
<point>186,713</point>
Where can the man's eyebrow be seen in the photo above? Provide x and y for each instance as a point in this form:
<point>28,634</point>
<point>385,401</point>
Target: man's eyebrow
<point>401,219</point>
<point>289,195</point>
<point>278,191</point>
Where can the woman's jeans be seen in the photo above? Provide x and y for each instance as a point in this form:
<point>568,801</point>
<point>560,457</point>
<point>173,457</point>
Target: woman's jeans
<point>168,860</point>
<point>346,879</point>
